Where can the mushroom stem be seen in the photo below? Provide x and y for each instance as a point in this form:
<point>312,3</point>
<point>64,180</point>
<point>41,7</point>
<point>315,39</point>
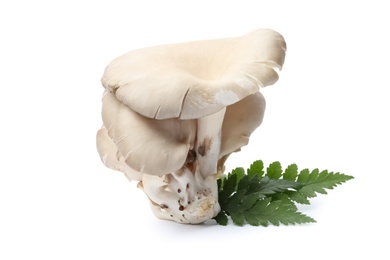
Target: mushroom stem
<point>208,144</point>
<point>183,196</point>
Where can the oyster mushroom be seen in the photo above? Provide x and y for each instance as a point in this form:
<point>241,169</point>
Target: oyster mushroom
<point>172,115</point>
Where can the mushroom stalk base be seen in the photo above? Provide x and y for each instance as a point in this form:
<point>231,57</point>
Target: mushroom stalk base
<point>182,196</point>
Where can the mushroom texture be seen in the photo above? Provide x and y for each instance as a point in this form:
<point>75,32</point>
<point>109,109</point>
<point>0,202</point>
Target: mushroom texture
<point>172,115</point>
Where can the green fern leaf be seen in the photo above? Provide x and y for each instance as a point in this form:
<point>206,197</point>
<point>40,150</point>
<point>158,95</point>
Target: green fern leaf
<point>256,168</point>
<point>228,187</point>
<point>303,176</point>
<point>238,218</point>
<point>270,186</point>
<point>291,172</point>
<point>274,170</point>
<point>222,218</point>
<point>266,212</point>
<point>259,200</point>
<point>240,173</point>
<point>297,197</point>
<point>317,182</point>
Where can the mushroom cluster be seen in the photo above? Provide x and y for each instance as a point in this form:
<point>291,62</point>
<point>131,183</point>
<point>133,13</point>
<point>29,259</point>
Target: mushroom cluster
<point>172,115</point>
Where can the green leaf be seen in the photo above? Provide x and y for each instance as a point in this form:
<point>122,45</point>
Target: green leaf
<point>238,218</point>
<point>219,182</point>
<point>228,187</point>
<point>265,185</point>
<point>317,182</point>
<point>303,176</point>
<point>297,197</point>
<point>248,183</point>
<point>270,186</point>
<point>249,201</point>
<point>235,201</point>
<point>277,212</point>
<point>260,201</point>
<point>274,170</point>
<point>222,218</point>
<point>240,173</point>
<point>313,176</point>
<point>291,172</point>
<point>256,168</point>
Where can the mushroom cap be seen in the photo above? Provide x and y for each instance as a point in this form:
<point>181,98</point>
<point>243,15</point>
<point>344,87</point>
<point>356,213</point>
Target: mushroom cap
<point>150,146</point>
<point>195,79</point>
<point>241,119</point>
<point>155,96</point>
<point>111,157</point>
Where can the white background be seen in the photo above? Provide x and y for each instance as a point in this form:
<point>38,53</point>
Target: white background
<point>329,110</point>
